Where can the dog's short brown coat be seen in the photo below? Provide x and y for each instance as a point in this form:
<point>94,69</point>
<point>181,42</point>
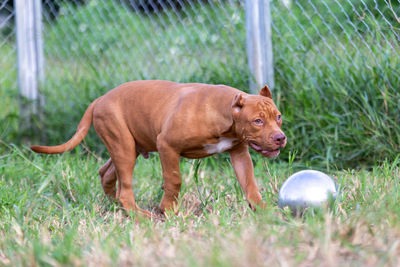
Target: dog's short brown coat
<point>192,120</point>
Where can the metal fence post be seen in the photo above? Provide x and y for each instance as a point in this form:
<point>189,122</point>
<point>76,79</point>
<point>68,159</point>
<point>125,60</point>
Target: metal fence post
<point>30,53</point>
<point>259,44</point>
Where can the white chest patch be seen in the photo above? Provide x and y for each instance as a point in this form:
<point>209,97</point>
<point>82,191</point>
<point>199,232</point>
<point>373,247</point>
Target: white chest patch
<point>223,144</point>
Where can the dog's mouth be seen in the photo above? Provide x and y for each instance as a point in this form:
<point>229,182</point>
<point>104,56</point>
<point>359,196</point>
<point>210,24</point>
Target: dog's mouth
<point>265,152</point>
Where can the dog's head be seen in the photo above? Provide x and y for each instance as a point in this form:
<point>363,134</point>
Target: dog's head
<point>258,122</point>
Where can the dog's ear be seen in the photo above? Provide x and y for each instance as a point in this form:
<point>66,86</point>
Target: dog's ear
<point>237,104</point>
<point>266,92</point>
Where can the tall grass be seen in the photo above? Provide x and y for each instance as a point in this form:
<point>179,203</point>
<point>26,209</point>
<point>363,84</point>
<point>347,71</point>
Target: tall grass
<point>338,81</point>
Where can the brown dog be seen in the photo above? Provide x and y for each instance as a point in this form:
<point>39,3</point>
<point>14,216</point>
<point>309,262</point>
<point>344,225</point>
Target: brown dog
<point>191,120</point>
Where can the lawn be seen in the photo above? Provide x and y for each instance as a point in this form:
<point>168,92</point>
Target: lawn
<point>53,212</point>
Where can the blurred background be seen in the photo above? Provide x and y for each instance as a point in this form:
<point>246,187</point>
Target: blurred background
<point>336,67</point>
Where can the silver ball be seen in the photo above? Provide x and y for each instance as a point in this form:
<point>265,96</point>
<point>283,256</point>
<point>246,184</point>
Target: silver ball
<point>306,189</point>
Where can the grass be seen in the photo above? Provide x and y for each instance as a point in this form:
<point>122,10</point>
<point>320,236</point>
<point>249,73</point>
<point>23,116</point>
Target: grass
<point>53,212</point>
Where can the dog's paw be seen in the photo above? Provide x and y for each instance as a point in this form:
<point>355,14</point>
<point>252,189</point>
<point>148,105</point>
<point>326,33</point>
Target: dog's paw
<point>258,206</point>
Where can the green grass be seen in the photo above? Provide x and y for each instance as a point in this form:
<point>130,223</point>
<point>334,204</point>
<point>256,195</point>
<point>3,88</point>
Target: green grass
<point>336,70</point>
<point>53,212</point>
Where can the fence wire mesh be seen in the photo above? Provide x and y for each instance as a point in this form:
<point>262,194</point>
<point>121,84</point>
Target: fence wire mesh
<point>188,40</point>
<point>118,41</point>
<point>324,39</point>
<point>8,58</point>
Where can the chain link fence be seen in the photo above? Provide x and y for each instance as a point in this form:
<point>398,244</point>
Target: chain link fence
<point>186,40</point>
<point>326,48</point>
<point>115,41</point>
<point>8,58</point>
<point>327,38</point>
<point>118,41</point>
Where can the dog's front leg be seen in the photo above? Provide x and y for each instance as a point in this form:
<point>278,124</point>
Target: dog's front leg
<point>244,170</point>
<point>172,176</point>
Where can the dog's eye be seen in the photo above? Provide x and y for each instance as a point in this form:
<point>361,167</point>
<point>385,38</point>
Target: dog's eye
<point>258,122</point>
<point>278,118</point>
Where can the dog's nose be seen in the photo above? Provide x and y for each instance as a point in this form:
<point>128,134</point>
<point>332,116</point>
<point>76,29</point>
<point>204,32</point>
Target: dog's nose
<point>279,138</point>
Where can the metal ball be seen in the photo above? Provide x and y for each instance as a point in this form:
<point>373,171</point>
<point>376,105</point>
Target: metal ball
<point>306,189</point>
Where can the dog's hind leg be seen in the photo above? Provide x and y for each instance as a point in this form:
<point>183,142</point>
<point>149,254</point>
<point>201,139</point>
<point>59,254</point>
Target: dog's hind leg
<point>122,148</point>
<point>108,179</point>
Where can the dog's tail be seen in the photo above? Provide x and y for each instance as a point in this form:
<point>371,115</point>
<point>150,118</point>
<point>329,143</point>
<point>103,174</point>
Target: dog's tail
<point>81,132</point>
